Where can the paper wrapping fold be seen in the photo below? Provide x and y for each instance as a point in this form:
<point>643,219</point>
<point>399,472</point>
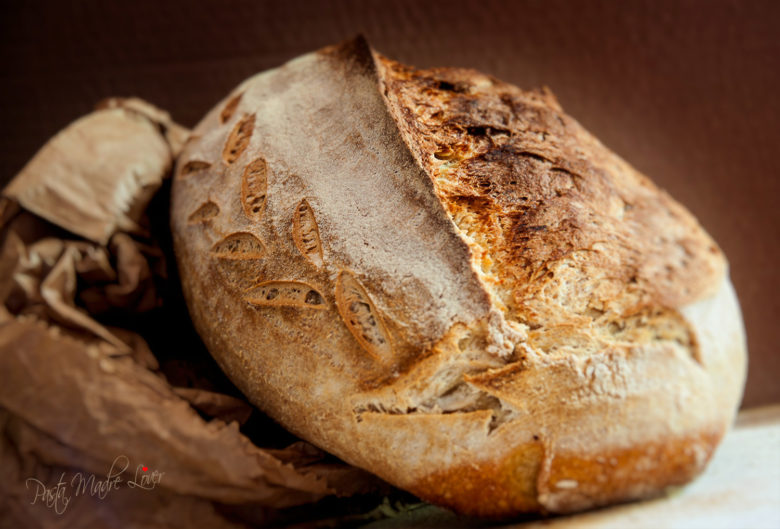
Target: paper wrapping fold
<point>78,392</point>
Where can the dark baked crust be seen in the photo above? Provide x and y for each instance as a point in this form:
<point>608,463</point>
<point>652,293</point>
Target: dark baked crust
<point>538,193</point>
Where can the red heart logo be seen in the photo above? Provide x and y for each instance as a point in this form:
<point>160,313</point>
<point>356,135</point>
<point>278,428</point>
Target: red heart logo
<point>144,469</point>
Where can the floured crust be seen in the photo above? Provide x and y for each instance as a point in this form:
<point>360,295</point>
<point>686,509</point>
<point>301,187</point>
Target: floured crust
<point>445,280</point>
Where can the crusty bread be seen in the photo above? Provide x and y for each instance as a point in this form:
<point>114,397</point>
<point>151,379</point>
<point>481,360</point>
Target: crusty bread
<point>445,280</point>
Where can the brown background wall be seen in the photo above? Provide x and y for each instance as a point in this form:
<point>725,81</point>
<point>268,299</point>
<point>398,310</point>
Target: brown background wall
<point>687,91</point>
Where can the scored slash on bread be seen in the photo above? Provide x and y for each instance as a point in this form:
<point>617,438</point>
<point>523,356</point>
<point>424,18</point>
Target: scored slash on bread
<point>509,317</point>
<point>362,318</point>
<point>192,166</point>
<point>241,245</point>
<point>254,183</point>
<point>205,211</point>
<point>229,109</point>
<point>285,293</point>
<point>306,233</point>
<point>239,139</point>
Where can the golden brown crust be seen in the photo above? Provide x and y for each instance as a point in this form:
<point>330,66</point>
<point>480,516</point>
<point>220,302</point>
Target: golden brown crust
<point>499,301</point>
<point>528,481</point>
<point>538,193</point>
<point>492,489</point>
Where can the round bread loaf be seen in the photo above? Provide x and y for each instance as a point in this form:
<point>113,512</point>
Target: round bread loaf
<point>447,281</point>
